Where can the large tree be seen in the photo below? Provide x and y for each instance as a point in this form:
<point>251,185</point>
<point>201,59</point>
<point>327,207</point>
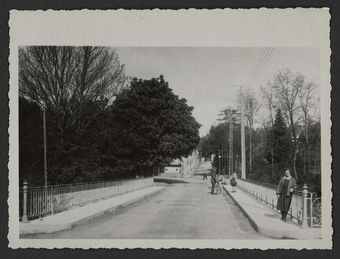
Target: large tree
<point>281,140</point>
<point>74,85</point>
<point>308,102</point>
<point>286,86</point>
<point>268,99</point>
<point>151,125</point>
<point>251,107</point>
<point>31,142</point>
<point>68,81</point>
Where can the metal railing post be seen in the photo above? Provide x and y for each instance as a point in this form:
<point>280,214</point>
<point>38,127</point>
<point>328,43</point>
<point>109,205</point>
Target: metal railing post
<point>24,213</point>
<point>304,223</point>
<point>52,199</point>
<point>72,196</point>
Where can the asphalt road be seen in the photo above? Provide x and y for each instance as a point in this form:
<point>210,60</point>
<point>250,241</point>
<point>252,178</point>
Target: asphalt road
<point>180,211</point>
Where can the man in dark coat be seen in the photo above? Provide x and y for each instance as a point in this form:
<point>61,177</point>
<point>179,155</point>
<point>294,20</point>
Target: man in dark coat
<point>213,180</point>
<point>284,192</point>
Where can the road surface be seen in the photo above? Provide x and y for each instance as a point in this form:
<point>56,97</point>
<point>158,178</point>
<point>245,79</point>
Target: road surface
<point>180,211</point>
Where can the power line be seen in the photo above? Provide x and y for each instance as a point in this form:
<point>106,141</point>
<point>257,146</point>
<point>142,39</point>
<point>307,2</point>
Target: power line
<point>265,62</point>
<point>262,63</point>
<point>260,60</point>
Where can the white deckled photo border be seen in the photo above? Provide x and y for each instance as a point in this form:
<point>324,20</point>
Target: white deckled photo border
<point>299,27</point>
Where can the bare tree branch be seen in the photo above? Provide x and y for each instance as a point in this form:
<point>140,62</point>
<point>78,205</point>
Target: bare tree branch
<point>69,80</point>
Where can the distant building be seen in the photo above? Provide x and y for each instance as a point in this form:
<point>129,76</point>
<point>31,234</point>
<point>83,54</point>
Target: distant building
<point>173,168</point>
<point>188,164</point>
<point>183,167</point>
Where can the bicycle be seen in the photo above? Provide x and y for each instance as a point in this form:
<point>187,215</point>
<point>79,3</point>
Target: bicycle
<point>218,189</point>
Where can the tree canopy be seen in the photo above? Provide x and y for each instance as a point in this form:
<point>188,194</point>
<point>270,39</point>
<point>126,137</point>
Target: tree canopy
<point>153,124</point>
<point>69,81</point>
<point>287,137</point>
<point>74,85</point>
<point>281,139</point>
<point>90,138</point>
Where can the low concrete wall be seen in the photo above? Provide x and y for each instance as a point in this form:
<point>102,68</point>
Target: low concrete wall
<point>70,218</point>
<point>66,201</point>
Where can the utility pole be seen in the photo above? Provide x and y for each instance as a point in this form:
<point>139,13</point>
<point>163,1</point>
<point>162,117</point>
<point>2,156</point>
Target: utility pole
<point>231,143</point>
<point>243,149</point>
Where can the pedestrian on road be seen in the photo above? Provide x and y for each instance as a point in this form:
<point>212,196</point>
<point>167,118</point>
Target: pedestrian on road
<point>233,182</point>
<point>284,193</point>
<point>213,180</point>
<point>205,177</point>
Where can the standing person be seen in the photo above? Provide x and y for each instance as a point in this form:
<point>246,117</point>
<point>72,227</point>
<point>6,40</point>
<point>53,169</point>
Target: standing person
<point>284,193</point>
<point>213,180</point>
<point>205,177</point>
<point>233,182</point>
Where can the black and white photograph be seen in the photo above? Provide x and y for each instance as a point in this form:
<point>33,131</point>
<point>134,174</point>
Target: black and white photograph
<point>182,141</point>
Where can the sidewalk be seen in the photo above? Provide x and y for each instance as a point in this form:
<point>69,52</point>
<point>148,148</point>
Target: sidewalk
<point>267,221</point>
<point>68,219</point>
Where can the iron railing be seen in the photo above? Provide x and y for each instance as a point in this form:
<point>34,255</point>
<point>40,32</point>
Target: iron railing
<point>305,206</point>
<point>42,201</point>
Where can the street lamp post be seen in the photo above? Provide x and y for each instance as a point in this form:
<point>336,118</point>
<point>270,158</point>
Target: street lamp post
<point>45,147</point>
<point>222,161</point>
<point>219,163</point>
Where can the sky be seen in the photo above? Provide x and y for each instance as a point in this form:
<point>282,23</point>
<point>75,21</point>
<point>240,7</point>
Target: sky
<point>209,77</point>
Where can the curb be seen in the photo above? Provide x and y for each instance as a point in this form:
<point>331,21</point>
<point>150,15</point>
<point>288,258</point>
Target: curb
<point>252,222</point>
<point>273,233</point>
<point>169,180</point>
<point>48,229</point>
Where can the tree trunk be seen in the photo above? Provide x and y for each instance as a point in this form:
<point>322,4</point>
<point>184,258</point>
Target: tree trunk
<point>294,164</point>
<point>304,161</point>
<point>292,127</point>
<point>305,149</point>
<point>308,160</point>
<point>315,164</point>
<point>272,162</point>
